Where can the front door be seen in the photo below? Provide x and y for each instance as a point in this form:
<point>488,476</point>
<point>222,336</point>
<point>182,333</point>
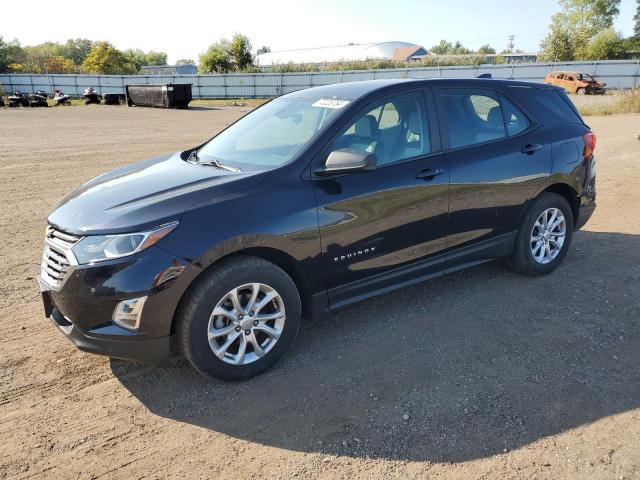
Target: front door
<point>378,228</point>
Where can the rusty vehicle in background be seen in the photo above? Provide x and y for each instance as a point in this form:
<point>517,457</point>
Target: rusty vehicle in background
<point>576,82</point>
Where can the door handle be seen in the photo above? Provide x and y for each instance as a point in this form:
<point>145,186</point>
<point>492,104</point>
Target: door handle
<point>530,149</point>
<point>429,174</point>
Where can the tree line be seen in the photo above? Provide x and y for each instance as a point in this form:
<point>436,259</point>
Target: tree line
<point>78,55</point>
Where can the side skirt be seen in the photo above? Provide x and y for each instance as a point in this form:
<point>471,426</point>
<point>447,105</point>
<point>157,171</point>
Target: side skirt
<point>420,271</point>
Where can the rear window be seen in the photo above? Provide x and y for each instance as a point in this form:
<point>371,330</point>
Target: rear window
<point>553,102</point>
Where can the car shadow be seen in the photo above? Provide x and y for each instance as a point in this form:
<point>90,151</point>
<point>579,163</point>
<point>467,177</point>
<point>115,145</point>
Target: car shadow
<point>453,369</point>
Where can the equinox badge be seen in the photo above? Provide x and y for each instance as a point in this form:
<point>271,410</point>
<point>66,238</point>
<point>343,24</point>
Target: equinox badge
<point>358,253</point>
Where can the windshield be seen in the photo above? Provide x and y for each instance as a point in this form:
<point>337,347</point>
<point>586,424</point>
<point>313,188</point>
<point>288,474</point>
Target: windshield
<point>271,135</point>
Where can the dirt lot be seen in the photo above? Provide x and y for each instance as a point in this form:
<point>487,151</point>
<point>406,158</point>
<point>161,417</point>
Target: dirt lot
<point>501,376</point>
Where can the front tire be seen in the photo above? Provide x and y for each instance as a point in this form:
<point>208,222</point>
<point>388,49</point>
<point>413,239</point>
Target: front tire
<point>239,319</point>
<point>544,236</point>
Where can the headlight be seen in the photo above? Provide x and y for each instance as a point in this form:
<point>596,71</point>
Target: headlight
<point>97,248</point>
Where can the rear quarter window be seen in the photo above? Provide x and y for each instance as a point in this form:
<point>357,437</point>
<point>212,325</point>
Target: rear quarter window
<point>551,102</point>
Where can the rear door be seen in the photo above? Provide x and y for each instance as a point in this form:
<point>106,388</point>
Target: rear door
<point>497,156</point>
<point>376,226</point>
<point>570,84</point>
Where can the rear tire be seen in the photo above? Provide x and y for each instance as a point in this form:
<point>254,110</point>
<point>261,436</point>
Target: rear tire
<point>544,236</point>
<point>221,327</point>
<point>581,91</point>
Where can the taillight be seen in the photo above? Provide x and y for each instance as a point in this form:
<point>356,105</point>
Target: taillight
<point>589,144</point>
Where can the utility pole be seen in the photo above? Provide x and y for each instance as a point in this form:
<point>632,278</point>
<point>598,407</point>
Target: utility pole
<point>510,44</point>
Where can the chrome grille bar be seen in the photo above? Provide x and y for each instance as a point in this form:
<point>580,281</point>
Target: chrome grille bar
<point>57,258</point>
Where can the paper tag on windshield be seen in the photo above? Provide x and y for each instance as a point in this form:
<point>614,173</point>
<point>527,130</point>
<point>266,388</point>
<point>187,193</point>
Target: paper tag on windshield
<point>330,103</point>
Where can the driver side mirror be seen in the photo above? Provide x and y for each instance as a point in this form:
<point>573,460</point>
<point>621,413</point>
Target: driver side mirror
<point>347,160</point>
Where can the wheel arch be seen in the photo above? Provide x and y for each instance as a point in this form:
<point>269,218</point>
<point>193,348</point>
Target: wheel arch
<point>279,258</point>
<point>562,189</point>
<point>569,194</point>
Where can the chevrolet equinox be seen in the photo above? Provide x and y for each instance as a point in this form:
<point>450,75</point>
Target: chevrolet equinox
<point>315,200</point>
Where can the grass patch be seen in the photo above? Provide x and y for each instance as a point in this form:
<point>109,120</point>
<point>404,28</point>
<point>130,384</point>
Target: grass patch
<point>609,104</point>
<point>74,102</point>
<point>228,102</point>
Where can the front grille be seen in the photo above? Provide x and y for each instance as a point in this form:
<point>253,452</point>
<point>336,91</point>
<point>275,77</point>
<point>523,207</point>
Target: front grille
<point>57,258</point>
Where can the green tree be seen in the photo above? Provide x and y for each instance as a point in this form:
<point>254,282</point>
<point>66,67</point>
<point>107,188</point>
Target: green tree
<point>265,49</point>
<point>156,58</point>
<point>185,61</point>
<point>557,47</point>
<point>448,48</point>
<point>581,20</point>
<point>11,54</point>
<point>442,48</point>
<point>58,64</point>
<point>590,16</point>
<point>216,58</point>
<point>137,58</point>
<point>37,59</point>
<point>606,45</point>
<point>459,49</point>
<point>636,21</point>
<point>77,50</point>
<point>486,50</point>
<point>224,56</point>
<point>240,52</point>
<point>105,58</point>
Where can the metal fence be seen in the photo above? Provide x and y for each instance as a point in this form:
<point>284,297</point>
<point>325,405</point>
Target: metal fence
<point>618,74</point>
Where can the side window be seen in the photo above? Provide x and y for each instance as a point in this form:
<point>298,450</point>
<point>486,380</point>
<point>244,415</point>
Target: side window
<point>471,116</point>
<point>394,129</point>
<point>515,120</point>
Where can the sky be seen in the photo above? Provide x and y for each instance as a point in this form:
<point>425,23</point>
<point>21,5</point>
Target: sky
<point>184,30</point>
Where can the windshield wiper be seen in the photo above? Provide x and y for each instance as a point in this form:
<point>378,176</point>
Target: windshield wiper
<point>193,158</point>
<point>215,163</point>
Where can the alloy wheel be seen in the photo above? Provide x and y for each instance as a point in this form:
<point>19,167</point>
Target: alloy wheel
<point>246,323</point>
<point>547,235</point>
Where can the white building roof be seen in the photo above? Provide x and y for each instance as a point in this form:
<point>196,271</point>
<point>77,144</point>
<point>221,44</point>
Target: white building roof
<point>367,51</point>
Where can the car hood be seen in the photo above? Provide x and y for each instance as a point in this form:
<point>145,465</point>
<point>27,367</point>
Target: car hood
<point>144,195</point>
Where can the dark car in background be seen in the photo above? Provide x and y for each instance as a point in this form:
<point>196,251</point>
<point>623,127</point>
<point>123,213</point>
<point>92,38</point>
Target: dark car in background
<point>317,199</point>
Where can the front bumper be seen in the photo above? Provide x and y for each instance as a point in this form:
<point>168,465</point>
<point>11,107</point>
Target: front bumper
<point>82,308</point>
<point>115,342</point>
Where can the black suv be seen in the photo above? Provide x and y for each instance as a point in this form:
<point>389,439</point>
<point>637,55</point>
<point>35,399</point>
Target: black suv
<point>315,200</point>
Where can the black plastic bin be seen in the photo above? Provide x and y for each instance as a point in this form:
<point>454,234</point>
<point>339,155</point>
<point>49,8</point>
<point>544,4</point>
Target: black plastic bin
<point>170,95</point>
<point>113,98</point>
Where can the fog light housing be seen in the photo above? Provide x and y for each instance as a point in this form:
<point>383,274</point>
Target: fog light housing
<point>128,312</point>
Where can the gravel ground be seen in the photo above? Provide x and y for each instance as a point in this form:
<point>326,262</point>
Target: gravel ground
<point>481,374</point>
